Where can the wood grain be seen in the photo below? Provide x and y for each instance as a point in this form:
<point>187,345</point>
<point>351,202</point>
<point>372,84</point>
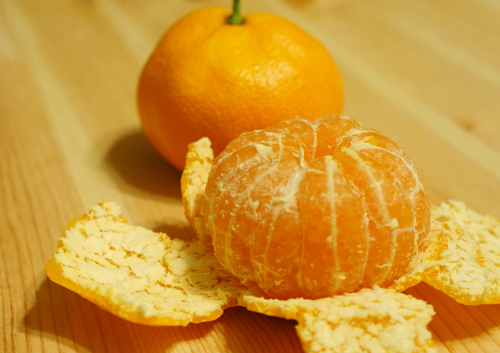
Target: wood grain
<point>424,72</point>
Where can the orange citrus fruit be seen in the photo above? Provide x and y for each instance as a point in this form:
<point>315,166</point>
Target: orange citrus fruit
<point>316,208</point>
<point>210,78</point>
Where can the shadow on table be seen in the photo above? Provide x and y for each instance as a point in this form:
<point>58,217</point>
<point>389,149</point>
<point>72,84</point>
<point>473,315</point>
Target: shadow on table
<point>455,324</point>
<point>61,318</point>
<point>176,231</point>
<point>137,165</point>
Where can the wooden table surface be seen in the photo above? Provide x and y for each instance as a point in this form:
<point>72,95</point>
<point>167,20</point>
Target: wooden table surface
<point>424,72</point>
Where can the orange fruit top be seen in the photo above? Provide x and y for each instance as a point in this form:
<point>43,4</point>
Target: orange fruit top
<point>314,209</point>
<point>208,78</point>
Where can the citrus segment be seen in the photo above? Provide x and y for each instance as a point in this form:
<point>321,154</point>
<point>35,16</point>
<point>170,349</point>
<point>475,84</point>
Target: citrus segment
<point>386,152</point>
<point>332,218</point>
<point>275,241</point>
<point>330,133</point>
<point>388,214</point>
<point>313,209</point>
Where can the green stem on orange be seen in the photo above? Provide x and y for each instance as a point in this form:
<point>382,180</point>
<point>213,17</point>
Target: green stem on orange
<point>236,18</point>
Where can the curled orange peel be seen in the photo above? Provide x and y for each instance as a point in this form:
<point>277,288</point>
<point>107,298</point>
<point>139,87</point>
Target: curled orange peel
<point>140,275</point>
<point>148,278</point>
<point>372,320</point>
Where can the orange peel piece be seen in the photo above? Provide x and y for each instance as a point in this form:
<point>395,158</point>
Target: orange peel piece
<point>140,275</point>
<point>199,161</point>
<point>463,259</point>
<point>372,320</point>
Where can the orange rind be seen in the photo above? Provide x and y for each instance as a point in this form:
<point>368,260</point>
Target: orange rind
<point>140,275</point>
<point>372,320</point>
<point>199,161</point>
<point>463,259</point>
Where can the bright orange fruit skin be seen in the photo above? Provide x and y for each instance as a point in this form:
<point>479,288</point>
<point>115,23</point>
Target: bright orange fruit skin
<point>314,209</point>
<point>209,78</point>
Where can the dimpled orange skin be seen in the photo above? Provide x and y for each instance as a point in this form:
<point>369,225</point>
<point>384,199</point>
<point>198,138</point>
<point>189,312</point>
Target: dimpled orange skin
<point>314,209</point>
<point>210,78</point>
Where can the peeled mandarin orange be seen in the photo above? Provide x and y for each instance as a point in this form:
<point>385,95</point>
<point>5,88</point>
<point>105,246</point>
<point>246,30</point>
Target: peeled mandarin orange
<point>207,77</point>
<point>316,208</point>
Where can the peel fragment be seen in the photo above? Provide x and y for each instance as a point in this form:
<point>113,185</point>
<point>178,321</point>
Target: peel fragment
<point>372,320</point>
<point>139,275</point>
<point>194,178</point>
<point>463,259</point>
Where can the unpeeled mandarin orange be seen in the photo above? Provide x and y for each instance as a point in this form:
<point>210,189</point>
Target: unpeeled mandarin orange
<point>314,209</point>
<point>207,77</point>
